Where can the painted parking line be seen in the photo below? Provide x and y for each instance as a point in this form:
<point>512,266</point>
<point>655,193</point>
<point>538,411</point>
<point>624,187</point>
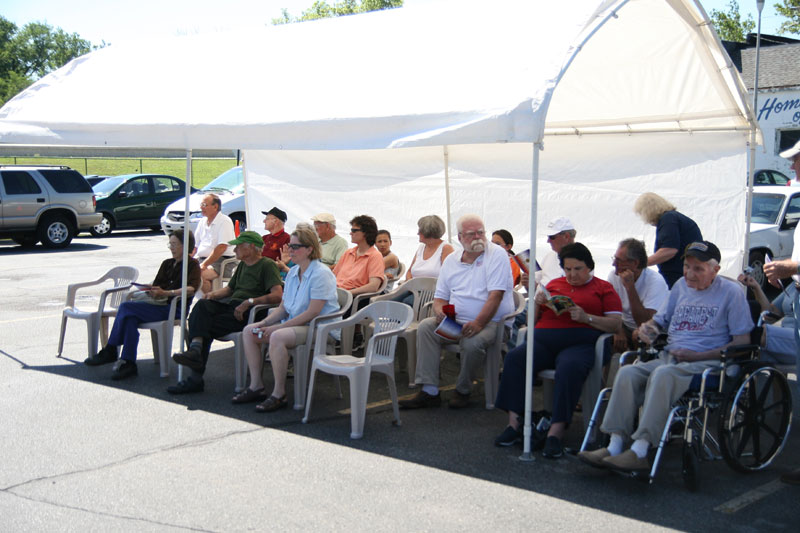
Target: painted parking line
<point>29,318</point>
<point>389,401</point>
<point>750,497</point>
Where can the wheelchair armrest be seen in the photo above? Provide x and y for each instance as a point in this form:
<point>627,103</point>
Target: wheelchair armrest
<point>628,356</point>
<point>738,352</point>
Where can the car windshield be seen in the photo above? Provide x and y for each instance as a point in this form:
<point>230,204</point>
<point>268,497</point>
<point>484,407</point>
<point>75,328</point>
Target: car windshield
<point>108,185</point>
<point>230,180</point>
<point>766,208</point>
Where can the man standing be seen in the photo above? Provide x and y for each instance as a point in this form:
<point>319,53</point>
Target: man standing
<point>255,282</point>
<point>214,231</point>
<point>333,246</point>
<point>477,283</point>
<point>277,238</point>
<point>641,290</point>
<point>704,314</point>
<point>560,232</point>
<point>778,270</point>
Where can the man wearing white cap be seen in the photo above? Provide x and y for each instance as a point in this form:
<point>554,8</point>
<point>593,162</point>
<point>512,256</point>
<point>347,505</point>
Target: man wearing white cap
<point>777,270</point>
<point>333,246</point>
<point>560,232</point>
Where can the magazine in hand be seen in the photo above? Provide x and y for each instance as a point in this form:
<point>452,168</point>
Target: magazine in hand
<point>559,303</point>
<point>523,259</point>
<point>449,329</point>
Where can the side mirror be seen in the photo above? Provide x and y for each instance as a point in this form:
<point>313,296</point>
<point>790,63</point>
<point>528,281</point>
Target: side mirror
<point>789,223</point>
<point>122,194</point>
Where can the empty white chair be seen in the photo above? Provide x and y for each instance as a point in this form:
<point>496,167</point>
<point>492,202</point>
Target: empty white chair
<point>388,320</point>
<point>97,319</point>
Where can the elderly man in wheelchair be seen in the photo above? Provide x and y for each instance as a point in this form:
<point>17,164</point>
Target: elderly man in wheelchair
<point>704,315</point>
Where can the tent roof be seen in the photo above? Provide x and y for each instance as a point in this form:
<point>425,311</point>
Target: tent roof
<point>443,72</point>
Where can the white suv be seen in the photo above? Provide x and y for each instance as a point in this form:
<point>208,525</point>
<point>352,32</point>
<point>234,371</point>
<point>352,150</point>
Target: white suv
<point>229,186</point>
<point>774,216</point>
<point>44,203</point>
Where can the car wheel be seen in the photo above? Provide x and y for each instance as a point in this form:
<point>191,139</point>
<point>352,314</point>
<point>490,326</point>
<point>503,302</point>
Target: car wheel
<point>104,228</point>
<point>26,241</point>
<point>240,218</point>
<point>756,262</point>
<point>55,231</point>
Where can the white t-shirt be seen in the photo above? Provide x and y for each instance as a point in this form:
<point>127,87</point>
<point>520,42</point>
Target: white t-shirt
<point>467,286</point>
<point>427,268</point>
<point>210,236</point>
<point>651,288</point>
<point>551,269</point>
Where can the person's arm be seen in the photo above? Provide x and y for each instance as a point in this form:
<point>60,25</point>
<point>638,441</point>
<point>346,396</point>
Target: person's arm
<point>638,310</point>
<point>682,355</point>
<point>408,273</point>
<point>438,308</point>
<point>274,296</point>
<point>778,270</point>
<point>447,250</point>
<point>216,253</point>
<point>607,323</point>
<point>761,298</point>
<point>662,255</point>
<point>373,285</point>
<point>218,294</point>
<point>485,316</point>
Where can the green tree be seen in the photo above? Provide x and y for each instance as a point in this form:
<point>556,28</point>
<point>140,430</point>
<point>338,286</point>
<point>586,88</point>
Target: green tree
<point>321,9</point>
<point>729,24</point>
<point>791,10</point>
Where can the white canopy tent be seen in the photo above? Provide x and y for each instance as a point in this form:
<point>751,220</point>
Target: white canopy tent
<point>376,113</point>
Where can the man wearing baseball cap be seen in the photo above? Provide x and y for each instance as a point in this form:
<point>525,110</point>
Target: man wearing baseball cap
<point>256,281</point>
<point>277,238</point>
<point>704,314</point>
<point>560,232</point>
<point>333,246</point>
<point>777,270</point>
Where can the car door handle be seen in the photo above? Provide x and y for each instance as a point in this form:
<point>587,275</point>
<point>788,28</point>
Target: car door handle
<point>40,200</point>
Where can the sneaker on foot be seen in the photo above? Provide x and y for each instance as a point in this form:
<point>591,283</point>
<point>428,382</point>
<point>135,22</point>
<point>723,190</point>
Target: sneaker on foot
<point>508,437</point>
<point>124,369</point>
<point>421,399</point>
<point>552,448</point>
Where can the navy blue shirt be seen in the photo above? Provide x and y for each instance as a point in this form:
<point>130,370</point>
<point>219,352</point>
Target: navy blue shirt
<point>675,230</point>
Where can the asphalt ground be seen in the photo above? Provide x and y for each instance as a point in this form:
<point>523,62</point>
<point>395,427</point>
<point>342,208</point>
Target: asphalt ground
<point>83,453</point>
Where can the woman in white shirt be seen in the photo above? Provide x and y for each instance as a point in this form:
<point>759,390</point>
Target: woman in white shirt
<point>431,253</point>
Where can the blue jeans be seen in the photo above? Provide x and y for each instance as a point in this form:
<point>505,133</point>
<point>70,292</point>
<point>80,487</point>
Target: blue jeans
<point>125,331</point>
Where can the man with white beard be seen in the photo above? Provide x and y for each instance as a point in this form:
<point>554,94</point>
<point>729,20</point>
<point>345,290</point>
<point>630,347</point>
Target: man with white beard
<point>477,283</point>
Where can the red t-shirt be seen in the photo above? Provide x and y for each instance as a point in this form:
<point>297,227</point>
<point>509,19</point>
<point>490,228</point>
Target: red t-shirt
<point>597,297</point>
<point>273,242</point>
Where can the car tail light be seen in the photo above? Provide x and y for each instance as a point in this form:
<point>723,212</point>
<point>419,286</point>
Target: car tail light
<point>94,202</point>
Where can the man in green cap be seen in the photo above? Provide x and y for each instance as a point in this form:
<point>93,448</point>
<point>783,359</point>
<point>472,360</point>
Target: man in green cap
<point>256,281</point>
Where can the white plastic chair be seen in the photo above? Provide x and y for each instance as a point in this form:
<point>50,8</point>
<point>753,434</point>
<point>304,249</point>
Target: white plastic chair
<point>161,334</point>
<point>423,290</point>
<point>494,355</point>
<point>97,319</point>
<point>390,285</point>
<point>217,282</point>
<point>388,319</point>
<point>348,332</point>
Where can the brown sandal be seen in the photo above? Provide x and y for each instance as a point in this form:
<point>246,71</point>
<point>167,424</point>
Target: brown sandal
<point>249,396</point>
<point>272,404</point>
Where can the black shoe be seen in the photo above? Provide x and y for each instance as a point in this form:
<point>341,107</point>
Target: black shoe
<point>187,386</point>
<point>107,355</point>
<point>124,369</point>
<point>553,448</point>
<point>190,358</point>
<point>421,399</point>
<point>458,400</point>
<point>508,437</point>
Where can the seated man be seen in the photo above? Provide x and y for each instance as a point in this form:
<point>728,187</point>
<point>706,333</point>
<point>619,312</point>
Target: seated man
<point>333,246</point>
<point>477,282</point>
<point>277,238</point>
<point>704,314</point>
<point>213,232</point>
<point>255,281</point>
<point>360,268</point>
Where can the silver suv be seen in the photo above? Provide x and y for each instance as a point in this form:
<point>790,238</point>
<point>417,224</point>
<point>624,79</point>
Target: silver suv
<point>43,203</point>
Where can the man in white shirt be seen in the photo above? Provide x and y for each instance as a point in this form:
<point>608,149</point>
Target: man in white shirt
<point>477,283</point>
<point>214,232</point>
<point>560,232</point>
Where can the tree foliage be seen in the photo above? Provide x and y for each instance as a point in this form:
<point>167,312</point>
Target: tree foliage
<point>30,52</point>
<point>729,24</point>
<point>321,9</point>
<point>791,10</point>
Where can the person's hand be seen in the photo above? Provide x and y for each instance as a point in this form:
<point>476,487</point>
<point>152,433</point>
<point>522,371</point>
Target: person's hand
<point>265,332</point>
<point>578,314</point>
<point>648,332</point>
<point>620,343</point>
<point>285,257</point>
<point>539,298</point>
<point>524,279</point>
<point>471,328</point>
<point>627,279</point>
<point>777,270</point>
<point>748,281</point>
<point>683,355</point>
<point>241,311</point>
<point>158,292</point>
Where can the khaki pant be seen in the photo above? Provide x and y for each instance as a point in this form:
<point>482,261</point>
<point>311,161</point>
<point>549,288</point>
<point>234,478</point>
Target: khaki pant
<point>655,386</point>
<point>473,354</point>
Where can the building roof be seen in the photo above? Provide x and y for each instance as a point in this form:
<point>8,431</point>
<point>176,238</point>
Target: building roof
<point>779,66</point>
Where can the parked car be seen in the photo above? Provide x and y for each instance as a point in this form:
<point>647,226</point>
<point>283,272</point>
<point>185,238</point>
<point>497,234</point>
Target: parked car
<point>44,203</point>
<point>770,177</point>
<point>94,179</point>
<point>229,186</point>
<point>134,201</point>
<point>773,218</point>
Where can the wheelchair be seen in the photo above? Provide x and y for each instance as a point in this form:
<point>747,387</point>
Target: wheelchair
<point>750,399</point>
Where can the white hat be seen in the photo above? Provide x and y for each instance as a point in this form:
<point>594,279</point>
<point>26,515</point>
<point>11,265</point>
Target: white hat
<point>324,217</point>
<point>791,152</point>
<point>558,225</point>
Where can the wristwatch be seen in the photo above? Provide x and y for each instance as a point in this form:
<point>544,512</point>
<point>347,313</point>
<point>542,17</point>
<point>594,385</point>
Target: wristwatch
<point>252,302</point>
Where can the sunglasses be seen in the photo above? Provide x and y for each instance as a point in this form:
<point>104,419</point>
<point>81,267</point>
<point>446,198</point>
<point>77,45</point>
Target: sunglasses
<point>296,246</point>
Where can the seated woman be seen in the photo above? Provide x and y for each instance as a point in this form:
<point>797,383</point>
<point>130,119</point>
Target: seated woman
<point>391,264</point>
<point>565,340</point>
<point>778,342</point>
<point>504,240</point>
<point>360,269</point>
<point>167,285</point>
<point>310,290</point>
<point>431,253</point>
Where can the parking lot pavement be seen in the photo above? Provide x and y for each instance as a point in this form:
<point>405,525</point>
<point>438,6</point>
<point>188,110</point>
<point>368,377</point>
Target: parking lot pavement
<point>81,452</point>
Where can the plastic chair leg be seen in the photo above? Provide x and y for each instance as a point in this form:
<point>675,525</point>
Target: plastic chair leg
<point>393,395</point>
<point>240,367</point>
<point>310,392</point>
<point>411,363</point>
<point>491,375</point>
<point>359,386</point>
<point>92,327</point>
<point>61,335</point>
<point>300,376</point>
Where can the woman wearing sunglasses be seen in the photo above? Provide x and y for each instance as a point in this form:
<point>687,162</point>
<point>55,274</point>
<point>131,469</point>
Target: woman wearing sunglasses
<point>309,291</point>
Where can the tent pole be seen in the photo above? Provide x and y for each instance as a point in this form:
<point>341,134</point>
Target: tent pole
<point>527,430</point>
<point>186,251</point>
<point>447,191</point>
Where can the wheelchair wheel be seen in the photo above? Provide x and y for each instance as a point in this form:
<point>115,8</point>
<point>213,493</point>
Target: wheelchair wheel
<point>690,466</point>
<point>754,419</point>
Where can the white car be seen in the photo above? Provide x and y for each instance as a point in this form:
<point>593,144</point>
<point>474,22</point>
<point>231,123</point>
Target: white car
<point>774,215</point>
<point>229,186</point>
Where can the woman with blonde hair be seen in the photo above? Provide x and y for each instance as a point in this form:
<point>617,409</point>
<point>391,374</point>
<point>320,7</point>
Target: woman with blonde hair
<point>309,291</point>
<point>674,232</point>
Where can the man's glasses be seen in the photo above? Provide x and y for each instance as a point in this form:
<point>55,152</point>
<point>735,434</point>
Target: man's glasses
<point>355,230</point>
<point>553,237</point>
<point>615,259</point>
<point>296,246</point>
<point>472,234</point>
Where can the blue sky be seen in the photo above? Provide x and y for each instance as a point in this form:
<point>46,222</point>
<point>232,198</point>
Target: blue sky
<point>118,21</point>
